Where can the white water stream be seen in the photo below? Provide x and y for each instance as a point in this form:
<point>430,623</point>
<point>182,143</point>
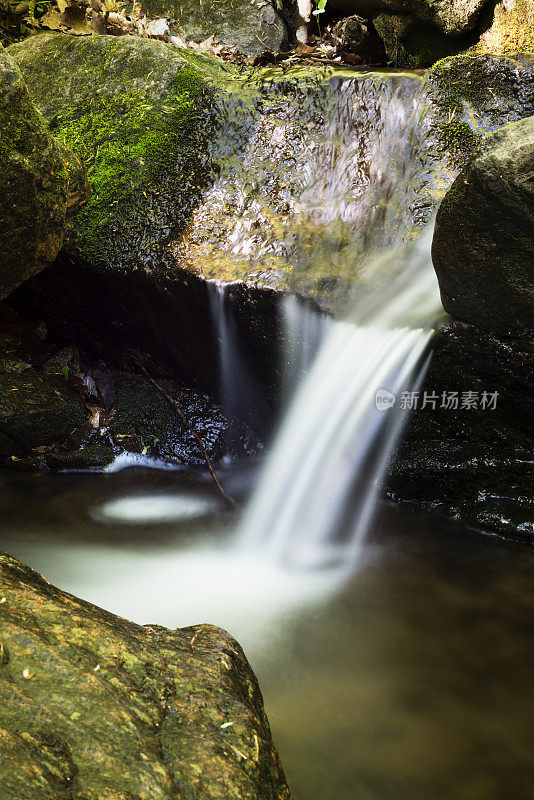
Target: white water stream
<point>316,496</point>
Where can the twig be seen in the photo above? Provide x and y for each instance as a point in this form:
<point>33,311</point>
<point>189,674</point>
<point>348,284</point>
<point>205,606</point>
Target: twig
<point>186,422</point>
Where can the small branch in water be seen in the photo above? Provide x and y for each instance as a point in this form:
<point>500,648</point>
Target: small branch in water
<point>186,422</point>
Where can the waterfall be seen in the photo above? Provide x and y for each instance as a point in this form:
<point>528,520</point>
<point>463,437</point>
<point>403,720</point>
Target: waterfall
<point>335,179</point>
<point>239,393</point>
<point>318,490</point>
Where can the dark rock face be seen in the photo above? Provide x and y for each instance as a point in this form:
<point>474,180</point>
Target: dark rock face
<point>474,465</point>
<point>483,248</point>
<point>34,184</point>
<point>417,34</point>
<point>94,706</point>
<point>36,410</point>
<point>359,37</point>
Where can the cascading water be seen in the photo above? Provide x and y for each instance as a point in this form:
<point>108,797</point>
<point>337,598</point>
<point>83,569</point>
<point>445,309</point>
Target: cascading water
<point>357,189</point>
<point>318,490</point>
<point>239,393</point>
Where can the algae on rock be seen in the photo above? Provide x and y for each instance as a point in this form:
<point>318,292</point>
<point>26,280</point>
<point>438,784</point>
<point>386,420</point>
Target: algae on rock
<point>137,114</point>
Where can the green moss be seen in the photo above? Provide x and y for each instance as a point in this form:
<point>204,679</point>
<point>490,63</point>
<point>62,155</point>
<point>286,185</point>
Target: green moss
<point>126,143</point>
<point>138,116</point>
<point>476,95</point>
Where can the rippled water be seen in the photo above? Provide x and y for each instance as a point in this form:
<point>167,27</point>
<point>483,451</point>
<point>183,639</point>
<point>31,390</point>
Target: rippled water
<point>410,680</point>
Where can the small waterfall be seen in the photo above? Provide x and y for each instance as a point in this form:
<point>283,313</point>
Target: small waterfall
<point>239,394</point>
<point>316,496</point>
<point>304,331</point>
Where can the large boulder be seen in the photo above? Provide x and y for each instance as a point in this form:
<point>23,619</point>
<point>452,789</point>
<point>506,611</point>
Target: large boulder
<point>34,184</point>
<point>483,248</point>
<point>94,706</point>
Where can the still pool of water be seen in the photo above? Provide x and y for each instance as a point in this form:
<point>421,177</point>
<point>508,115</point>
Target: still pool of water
<point>410,680</point>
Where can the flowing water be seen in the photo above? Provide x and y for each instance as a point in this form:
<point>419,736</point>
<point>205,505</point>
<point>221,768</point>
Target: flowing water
<point>408,681</point>
<point>316,496</point>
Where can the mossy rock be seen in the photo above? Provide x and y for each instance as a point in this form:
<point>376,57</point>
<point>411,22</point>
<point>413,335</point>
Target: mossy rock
<point>471,96</point>
<point>511,30</point>
<point>34,183</point>
<point>247,27</point>
<point>451,17</point>
<point>141,134</point>
<point>95,707</point>
<point>483,248</point>
<point>36,410</point>
<point>417,33</point>
<point>412,44</point>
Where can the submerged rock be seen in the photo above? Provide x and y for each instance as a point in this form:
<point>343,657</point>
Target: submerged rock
<point>34,183</point>
<point>95,706</point>
<point>483,248</point>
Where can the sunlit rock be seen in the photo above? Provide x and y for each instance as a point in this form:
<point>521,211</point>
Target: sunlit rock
<point>121,710</point>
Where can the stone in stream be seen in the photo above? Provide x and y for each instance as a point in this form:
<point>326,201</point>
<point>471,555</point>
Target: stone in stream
<point>483,248</point>
<point>39,181</point>
<point>359,37</point>
<point>247,27</point>
<point>93,706</point>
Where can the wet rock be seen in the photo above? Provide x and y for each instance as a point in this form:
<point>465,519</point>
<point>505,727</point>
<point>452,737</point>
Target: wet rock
<point>473,464</point>
<point>144,421</point>
<point>471,96</point>
<point>95,706</point>
<point>34,184</point>
<point>483,248</point>
<point>359,37</point>
<point>139,272</point>
<point>37,411</point>
<point>247,27</point>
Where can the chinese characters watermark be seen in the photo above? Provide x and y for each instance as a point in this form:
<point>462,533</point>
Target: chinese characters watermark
<point>448,400</point>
